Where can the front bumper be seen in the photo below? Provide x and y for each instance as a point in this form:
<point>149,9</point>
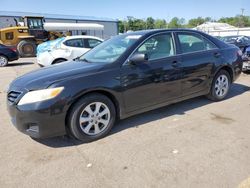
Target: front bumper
<point>38,120</point>
<point>246,66</point>
<point>44,59</point>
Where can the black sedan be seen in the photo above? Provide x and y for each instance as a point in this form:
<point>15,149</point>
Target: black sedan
<point>239,40</point>
<point>243,42</point>
<point>7,54</point>
<point>124,76</point>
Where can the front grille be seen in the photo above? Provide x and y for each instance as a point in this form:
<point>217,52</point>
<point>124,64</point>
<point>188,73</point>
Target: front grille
<point>13,95</point>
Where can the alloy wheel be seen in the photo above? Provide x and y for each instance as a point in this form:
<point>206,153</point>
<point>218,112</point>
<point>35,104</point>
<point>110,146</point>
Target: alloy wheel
<point>221,85</point>
<point>94,118</point>
<point>3,61</point>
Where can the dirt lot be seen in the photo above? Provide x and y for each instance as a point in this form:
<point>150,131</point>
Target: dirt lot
<point>195,143</point>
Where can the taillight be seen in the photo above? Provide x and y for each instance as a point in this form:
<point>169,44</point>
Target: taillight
<point>239,53</point>
<point>13,49</point>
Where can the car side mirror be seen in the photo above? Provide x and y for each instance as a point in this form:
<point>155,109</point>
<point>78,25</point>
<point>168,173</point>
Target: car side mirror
<point>138,58</point>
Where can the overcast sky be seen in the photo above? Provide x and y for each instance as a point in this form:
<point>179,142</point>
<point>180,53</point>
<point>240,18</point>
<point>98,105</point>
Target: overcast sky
<point>118,9</point>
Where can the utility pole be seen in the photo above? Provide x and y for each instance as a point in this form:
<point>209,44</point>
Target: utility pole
<point>241,20</point>
<point>242,11</point>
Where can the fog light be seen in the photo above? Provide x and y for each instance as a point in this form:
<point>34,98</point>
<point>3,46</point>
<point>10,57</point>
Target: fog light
<point>32,127</point>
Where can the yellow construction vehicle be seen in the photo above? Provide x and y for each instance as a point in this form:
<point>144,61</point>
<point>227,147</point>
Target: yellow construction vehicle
<point>25,38</point>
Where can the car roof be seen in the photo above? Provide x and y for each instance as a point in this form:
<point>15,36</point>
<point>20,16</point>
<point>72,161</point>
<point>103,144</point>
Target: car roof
<point>146,33</point>
<point>151,31</point>
<point>82,36</point>
<point>235,36</point>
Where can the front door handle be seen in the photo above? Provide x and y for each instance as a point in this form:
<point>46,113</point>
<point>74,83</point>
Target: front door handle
<point>157,77</point>
<point>175,63</point>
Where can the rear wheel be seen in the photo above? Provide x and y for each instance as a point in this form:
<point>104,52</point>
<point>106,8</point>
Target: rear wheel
<point>26,48</point>
<point>92,117</point>
<point>220,86</point>
<point>3,61</point>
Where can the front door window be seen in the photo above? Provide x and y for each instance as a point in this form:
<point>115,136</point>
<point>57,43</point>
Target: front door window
<point>157,47</point>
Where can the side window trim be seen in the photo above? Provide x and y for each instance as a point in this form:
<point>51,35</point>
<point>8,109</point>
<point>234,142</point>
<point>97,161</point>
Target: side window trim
<point>85,43</point>
<point>193,33</point>
<point>161,33</point>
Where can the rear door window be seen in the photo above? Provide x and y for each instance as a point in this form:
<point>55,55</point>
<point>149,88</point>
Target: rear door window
<point>208,44</point>
<point>191,42</point>
<point>78,43</point>
<point>91,43</point>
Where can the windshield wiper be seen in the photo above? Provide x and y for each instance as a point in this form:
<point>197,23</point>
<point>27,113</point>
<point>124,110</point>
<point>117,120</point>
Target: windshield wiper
<point>79,59</point>
<point>76,59</point>
<point>85,60</point>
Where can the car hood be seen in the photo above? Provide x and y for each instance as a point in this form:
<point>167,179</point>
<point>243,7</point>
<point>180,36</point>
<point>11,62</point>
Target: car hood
<point>44,77</point>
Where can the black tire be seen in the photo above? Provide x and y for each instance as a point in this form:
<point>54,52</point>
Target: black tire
<point>76,112</point>
<point>246,71</point>
<point>27,48</point>
<point>58,61</point>
<point>212,94</point>
<point>3,61</point>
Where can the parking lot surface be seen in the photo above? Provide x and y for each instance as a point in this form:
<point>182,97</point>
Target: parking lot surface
<point>195,143</point>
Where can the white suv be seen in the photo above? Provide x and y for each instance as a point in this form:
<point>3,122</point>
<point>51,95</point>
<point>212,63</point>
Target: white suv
<point>64,49</point>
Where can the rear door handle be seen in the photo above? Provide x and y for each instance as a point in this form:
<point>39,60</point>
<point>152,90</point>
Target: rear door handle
<point>217,54</point>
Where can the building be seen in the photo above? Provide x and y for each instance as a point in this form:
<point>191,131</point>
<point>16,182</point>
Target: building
<point>222,29</point>
<point>110,26</point>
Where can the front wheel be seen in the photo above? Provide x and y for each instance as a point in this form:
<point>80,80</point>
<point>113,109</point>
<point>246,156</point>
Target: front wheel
<point>220,86</point>
<point>3,61</point>
<point>92,117</point>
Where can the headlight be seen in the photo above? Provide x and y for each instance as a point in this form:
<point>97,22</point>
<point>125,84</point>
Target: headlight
<point>40,95</point>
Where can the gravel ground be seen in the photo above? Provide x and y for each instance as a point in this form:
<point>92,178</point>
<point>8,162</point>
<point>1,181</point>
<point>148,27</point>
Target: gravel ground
<point>195,143</point>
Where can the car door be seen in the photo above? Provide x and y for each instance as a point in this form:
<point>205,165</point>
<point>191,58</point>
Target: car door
<point>198,57</point>
<point>75,46</point>
<point>155,81</point>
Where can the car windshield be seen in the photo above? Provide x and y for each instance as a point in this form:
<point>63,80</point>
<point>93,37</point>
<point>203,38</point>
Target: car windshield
<point>229,39</point>
<point>110,50</point>
<point>232,39</point>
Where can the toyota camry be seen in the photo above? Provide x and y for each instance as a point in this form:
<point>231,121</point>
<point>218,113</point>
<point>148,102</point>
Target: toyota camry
<point>123,76</point>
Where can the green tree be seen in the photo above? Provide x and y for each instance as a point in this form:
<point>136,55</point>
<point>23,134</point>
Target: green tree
<point>135,24</point>
<point>176,23</point>
<point>150,23</point>
<point>197,21</point>
<point>237,21</point>
<point>230,20</point>
<point>160,24</point>
<point>121,26</point>
<point>130,23</point>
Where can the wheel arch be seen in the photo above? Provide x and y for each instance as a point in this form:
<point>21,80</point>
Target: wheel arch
<point>227,68</point>
<point>96,91</point>
<point>5,56</point>
<point>60,58</point>
<point>27,39</point>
